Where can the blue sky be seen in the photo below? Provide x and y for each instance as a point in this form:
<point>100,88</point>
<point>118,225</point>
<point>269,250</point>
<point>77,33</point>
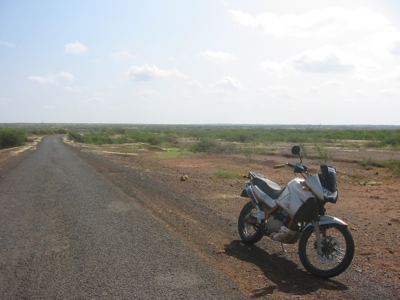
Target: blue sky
<point>264,62</point>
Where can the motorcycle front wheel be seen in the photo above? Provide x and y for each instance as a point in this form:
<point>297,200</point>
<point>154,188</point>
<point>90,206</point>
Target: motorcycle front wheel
<point>337,250</point>
<point>249,232</point>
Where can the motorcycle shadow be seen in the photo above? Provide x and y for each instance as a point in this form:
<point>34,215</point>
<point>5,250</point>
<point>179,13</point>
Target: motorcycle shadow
<point>287,276</point>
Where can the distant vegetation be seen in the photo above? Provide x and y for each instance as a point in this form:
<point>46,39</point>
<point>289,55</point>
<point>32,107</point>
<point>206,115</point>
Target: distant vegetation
<point>11,137</point>
<point>215,138</point>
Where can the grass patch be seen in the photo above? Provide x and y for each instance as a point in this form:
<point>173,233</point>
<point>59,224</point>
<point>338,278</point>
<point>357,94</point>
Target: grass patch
<point>392,165</point>
<point>224,174</point>
<point>175,153</point>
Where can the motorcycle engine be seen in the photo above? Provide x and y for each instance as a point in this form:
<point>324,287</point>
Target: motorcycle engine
<point>277,230</point>
<point>275,222</point>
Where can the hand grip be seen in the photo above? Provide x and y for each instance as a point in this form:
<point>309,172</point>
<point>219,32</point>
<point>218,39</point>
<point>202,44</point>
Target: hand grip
<point>279,166</point>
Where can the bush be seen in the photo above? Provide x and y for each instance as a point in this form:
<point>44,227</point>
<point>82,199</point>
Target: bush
<point>10,137</point>
<point>98,138</point>
<point>60,131</point>
<point>212,146</point>
<point>154,140</point>
<point>205,145</point>
<point>75,136</point>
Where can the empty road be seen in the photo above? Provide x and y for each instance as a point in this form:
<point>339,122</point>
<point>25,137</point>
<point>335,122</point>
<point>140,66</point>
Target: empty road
<point>66,232</point>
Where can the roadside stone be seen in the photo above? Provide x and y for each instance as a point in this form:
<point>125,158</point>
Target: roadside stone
<point>184,177</point>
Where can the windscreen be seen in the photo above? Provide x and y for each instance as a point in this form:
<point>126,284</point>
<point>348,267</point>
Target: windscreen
<point>328,178</point>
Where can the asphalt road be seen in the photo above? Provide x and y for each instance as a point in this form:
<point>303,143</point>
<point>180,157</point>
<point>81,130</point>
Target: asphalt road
<point>66,232</point>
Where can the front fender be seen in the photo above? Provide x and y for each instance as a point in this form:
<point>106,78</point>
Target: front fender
<point>327,220</point>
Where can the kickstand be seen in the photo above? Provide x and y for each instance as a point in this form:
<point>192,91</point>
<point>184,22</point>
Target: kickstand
<point>284,250</point>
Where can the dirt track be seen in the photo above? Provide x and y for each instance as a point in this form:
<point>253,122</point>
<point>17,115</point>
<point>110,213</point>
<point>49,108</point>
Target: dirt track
<point>204,209</point>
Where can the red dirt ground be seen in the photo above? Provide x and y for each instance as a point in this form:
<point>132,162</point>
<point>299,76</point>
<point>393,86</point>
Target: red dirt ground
<point>204,211</point>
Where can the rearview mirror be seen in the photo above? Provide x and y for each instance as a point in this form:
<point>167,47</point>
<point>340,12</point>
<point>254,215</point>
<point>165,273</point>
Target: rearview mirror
<point>296,150</point>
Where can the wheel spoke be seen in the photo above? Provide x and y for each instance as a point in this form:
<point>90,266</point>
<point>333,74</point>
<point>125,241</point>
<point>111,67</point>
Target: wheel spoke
<point>332,249</point>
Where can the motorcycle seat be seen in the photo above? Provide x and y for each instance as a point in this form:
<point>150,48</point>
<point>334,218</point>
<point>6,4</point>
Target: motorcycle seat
<point>269,187</point>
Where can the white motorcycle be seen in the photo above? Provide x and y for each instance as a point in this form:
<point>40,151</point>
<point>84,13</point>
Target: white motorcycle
<point>297,212</point>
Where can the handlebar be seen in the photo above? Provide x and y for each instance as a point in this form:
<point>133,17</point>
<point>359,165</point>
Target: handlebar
<point>298,168</point>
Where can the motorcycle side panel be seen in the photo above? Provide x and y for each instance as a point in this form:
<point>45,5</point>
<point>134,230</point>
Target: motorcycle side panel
<point>261,196</point>
<point>293,197</point>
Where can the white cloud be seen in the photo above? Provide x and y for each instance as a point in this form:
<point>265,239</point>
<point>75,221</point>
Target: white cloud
<point>391,92</point>
<point>122,55</point>
<point>148,93</point>
<point>74,89</point>
<point>195,84</point>
<point>395,49</point>
<point>6,44</point>
<point>321,62</point>
<point>327,22</point>
<point>277,92</point>
<point>52,78</point>
<point>326,59</point>
<point>269,65</point>
<point>228,84</point>
<point>218,56</point>
<point>150,72</point>
<point>75,48</point>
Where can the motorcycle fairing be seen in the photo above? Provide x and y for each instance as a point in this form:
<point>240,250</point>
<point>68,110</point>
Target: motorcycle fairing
<point>315,185</point>
<point>294,196</point>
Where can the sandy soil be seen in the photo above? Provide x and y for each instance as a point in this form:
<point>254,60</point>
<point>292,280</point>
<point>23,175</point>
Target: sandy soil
<point>204,211</point>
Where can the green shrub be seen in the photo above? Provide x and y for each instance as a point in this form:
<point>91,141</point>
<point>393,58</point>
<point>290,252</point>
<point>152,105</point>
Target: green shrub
<point>212,146</point>
<point>10,137</point>
<point>205,145</point>
<point>154,140</point>
<point>75,136</point>
<point>60,131</point>
<point>98,138</point>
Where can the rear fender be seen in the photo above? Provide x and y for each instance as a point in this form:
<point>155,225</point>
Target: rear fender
<point>248,191</point>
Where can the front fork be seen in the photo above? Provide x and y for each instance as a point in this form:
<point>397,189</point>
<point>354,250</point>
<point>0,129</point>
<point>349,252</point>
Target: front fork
<point>317,232</point>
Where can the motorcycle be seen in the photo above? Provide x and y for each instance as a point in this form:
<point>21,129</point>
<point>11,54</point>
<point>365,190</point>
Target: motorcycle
<point>297,213</point>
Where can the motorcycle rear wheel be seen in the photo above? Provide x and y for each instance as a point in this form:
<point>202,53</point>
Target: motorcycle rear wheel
<point>249,233</point>
<point>337,250</point>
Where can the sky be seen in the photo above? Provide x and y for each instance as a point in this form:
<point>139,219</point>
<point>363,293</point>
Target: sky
<point>200,61</point>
